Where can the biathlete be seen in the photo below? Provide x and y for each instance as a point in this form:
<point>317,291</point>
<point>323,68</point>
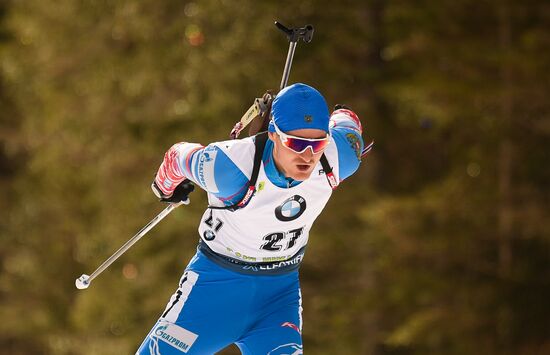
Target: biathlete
<point>264,194</point>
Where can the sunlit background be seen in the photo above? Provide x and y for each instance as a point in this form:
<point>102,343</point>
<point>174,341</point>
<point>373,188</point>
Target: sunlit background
<point>439,244</point>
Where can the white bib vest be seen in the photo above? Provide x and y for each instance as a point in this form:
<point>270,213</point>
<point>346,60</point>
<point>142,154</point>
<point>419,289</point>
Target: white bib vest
<point>275,224</point>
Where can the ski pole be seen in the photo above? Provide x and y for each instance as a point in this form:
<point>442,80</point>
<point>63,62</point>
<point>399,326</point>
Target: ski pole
<point>294,34</point>
<point>84,281</point>
<point>261,105</point>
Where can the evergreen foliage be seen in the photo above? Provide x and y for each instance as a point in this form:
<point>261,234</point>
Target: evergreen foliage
<point>439,244</point>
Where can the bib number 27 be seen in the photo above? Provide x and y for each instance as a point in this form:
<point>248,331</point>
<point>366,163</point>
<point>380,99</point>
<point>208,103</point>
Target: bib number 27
<point>279,240</point>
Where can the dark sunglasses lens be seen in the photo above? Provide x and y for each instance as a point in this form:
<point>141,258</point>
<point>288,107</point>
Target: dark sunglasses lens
<point>298,145</point>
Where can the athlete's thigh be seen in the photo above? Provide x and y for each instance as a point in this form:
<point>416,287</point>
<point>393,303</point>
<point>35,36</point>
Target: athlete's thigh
<point>202,317</point>
<point>277,333</point>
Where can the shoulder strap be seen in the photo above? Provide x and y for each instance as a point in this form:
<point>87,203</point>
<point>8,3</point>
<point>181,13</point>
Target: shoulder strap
<point>328,172</point>
<point>259,145</point>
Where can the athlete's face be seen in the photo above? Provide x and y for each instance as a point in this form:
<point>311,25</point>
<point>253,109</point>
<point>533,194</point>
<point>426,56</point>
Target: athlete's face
<point>297,166</point>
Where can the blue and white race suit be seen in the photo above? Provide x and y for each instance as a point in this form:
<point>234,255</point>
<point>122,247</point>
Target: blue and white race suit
<point>242,285</point>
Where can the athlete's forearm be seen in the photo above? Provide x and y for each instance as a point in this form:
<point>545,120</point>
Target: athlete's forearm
<point>346,130</point>
<point>176,166</point>
<point>207,167</point>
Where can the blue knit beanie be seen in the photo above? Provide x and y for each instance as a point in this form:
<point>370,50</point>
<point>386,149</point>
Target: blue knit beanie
<point>299,106</point>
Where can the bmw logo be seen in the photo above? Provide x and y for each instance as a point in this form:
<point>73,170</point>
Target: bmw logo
<point>209,235</point>
<point>291,209</point>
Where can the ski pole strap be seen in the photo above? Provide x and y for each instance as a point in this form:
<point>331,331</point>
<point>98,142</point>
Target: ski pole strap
<point>259,144</point>
<point>328,172</point>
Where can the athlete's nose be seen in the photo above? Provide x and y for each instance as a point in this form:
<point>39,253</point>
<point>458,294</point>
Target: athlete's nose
<point>307,155</point>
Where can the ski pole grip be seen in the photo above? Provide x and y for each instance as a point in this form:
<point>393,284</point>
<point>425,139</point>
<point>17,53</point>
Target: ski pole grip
<point>294,34</point>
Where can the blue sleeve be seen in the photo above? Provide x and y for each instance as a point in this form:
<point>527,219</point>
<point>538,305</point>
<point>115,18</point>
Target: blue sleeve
<point>349,144</point>
<point>214,172</point>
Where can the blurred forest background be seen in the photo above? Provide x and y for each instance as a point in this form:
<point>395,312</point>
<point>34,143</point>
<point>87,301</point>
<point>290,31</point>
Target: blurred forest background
<point>440,244</point>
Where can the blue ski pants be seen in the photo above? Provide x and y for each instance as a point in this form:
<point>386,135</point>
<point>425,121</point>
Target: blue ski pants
<point>214,307</point>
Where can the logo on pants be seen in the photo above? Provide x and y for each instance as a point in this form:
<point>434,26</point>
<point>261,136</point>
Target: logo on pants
<point>291,325</point>
<point>287,349</point>
<point>176,336</point>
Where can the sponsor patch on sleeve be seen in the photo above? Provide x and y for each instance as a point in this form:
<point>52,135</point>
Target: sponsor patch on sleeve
<point>206,166</point>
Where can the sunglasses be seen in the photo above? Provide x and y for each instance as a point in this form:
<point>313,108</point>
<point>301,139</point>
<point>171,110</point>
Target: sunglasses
<point>299,144</point>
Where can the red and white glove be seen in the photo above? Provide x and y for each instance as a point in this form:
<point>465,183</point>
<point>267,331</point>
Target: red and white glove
<point>181,192</point>
<point>170,185</point>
